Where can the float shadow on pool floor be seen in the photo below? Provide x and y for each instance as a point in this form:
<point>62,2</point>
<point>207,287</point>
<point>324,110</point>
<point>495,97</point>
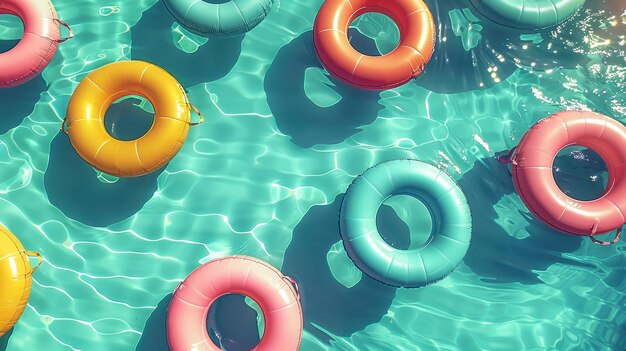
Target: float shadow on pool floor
<point>495,253</point>
<point>18,102</point>
<point>325,301</point>
<point>73,187</point>
<point>297,116</point>
<point>4,341</point>
<point>152,41</point>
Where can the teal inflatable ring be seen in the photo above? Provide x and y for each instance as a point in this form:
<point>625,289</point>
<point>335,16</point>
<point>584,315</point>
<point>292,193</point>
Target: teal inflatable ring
<point>225,19</point>
<point>452,223</point>
<point>527,14</point>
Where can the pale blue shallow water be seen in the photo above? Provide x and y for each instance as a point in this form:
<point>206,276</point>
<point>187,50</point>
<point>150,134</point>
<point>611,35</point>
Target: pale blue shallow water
<point>265,174</point>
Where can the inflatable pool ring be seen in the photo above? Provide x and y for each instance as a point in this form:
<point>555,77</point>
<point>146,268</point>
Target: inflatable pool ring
<point>15,279</point>
<point>276,294</point>
<point>526,14</point>
<point>87,107</point>
<point>405,62</point>
<point>39,42</point>
<point>224,19</point>
<point>452,223</point>
<point>534,180</point>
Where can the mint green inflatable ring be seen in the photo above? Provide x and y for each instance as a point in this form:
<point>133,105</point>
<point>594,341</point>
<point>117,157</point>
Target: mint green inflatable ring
<point>225,19</point>
<point>527,14</point>
<point>452,223</point>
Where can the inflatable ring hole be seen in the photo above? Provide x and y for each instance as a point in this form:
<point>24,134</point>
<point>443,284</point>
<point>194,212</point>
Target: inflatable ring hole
<point>129,118</point>
<point>580,173</point>
<point>235,322</point>
<point>413,213</point>
<point>11,31</point>
<point>216,1</point>
<point>381,29</point>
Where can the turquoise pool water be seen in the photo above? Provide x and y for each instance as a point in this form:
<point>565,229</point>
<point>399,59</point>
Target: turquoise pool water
<point>265,174</point>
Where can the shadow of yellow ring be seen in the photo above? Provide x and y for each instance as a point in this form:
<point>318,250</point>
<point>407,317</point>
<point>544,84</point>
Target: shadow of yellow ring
<point>98,90</point>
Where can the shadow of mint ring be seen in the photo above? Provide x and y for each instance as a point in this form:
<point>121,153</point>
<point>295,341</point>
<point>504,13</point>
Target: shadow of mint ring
<point>444,249</point>
<point>231,18</point>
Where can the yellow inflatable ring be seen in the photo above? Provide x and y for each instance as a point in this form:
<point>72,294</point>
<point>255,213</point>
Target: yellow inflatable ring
<point>15,279</point>
<point>84,122</point>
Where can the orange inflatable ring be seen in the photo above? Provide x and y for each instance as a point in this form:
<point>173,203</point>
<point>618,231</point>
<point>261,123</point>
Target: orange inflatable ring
<point>405,62</point>
<point>86,110</point>
<point>534,181</point>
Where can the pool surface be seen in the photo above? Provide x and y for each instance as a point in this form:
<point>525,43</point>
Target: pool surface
<point>265,175</point>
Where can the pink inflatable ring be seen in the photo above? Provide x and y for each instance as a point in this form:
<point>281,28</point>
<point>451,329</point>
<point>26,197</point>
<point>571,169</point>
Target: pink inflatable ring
<point>534,182</point>
<point>38,45</point>
<point>276,294</point>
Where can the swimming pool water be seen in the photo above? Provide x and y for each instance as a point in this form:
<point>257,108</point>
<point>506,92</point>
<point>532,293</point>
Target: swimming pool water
<point>265,174</point>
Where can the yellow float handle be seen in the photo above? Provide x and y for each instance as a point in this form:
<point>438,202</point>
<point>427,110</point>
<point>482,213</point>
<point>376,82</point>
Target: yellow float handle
<point>39,261</point>
<point>195,109</point>
<point>64,126</point>
<point>70,36</point>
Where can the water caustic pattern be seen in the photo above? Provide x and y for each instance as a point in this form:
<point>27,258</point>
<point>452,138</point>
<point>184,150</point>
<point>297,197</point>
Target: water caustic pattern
<point>250,181</point>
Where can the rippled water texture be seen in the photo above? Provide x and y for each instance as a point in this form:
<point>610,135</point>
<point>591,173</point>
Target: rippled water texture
<point>265,174</point>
